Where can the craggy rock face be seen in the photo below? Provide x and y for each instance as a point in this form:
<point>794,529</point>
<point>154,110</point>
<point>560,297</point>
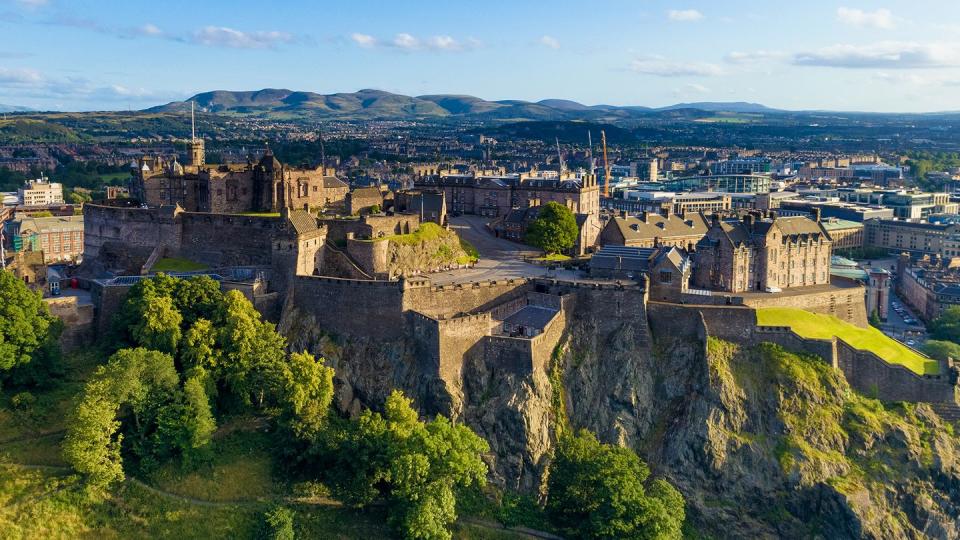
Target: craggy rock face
<point>762,443</point>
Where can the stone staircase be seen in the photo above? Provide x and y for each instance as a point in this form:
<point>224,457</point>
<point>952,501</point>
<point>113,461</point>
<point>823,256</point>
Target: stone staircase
<point>950,412</point>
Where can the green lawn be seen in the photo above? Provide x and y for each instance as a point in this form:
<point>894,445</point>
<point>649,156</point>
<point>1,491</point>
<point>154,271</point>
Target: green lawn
<point>260,214</point>
<point>814,325</point>
<point>176,264</point>
<point>556,257</point>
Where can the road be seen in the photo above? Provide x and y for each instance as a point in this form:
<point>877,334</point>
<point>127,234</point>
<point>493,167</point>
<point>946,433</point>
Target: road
<point>499,258</point>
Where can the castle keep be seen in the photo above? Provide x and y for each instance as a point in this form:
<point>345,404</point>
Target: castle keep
<point>262,186</point>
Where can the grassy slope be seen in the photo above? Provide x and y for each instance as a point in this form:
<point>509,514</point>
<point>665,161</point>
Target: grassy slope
<point>225,498</point>
<point>177,264</point>
<point>814,325</point>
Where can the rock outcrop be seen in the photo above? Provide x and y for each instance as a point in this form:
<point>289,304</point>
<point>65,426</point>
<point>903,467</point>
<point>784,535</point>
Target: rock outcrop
<point>762,442</point>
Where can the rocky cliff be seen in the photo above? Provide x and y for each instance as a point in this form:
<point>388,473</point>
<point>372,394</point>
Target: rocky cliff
<point>762,442</point>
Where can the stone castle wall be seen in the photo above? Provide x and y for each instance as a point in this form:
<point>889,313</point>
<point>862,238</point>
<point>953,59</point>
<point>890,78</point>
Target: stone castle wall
<point>227,240</point>
<point>865,371</point>
<point>444,301</point>
<point>352,307</point>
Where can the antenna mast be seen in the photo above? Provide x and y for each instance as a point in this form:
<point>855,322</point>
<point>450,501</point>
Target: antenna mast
<point>590,151</point>
<point>606,165</point>
<point>193,125</point>
<point>559,155</point>
<point>323,152</point>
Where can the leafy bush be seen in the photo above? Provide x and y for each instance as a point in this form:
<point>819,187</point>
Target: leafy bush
<point>23,401</point>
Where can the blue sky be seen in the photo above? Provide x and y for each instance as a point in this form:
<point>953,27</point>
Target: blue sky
<point>817,54</point>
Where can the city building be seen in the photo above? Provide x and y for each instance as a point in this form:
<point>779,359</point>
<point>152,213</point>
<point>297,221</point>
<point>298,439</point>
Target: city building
<point>730,183</point>
<point>845,234</point>
<point>834,209</point>
<point>762,254</point>
<point>59,238</point>
<point>915,237</point>
<point>40,192</point>
<point>747,165</point>
<point>929,285</point>
<point>663,202</point>
<point>651,230</point>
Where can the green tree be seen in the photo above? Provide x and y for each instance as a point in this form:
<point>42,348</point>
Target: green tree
<point>159,324</point>
<point>307,392</point>
<point>946,327</point>
<point>278,524</point>
<point>92,445</point>
<point>25,322</point>
<point>142,383</point>
<point>252,350</point>
<point>186,425</point>
<point>199,346</point>
<point>875,319</point>
<point>601,491</point>
<point>941,350</point>
<point>554,230</point>
<point>415,466</point>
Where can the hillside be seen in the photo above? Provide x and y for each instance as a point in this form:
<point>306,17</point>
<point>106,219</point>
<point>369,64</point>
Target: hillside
<point>369,104</point>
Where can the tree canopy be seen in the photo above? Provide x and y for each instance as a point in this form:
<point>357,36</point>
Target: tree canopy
<point>602,491</point>
<point>554,230</point>
<point>946,327</point>
<point>25,322</point>
<point>414,466</point>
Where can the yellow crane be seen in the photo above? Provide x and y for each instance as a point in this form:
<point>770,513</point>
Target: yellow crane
<point>606,165</point>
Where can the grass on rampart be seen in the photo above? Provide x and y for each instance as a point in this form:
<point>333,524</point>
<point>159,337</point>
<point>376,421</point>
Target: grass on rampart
<point>426,232</point>
<point>177,264</point>
<point>817,326</point>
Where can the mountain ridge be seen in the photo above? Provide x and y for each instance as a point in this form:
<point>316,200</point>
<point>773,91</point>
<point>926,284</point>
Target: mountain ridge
<point>371,103</point>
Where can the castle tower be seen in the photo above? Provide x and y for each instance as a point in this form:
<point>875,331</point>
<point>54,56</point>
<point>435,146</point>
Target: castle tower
<point>197,154</point>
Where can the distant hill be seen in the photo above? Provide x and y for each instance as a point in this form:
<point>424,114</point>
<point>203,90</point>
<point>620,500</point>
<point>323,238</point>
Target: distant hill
<point>378,104</point>
<point>13,108</point>
<point>714,106</point>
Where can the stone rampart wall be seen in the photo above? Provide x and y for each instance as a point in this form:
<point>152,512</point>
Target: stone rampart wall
<point>872,376</point>
<point>446,301</point>
<point>352,307</point>
<point>227,240</point>
<point>78,321</point>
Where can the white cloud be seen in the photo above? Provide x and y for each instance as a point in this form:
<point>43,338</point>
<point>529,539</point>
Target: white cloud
<point>752,57</point>
<point>19,77</point>
<point>33,3</point>
<point>150,30</point>
<point>409,43</point>
<point>695,88</point>
<point>444,43</point>
<point>550,42</point>
<point>684,15</point>
<point>916,79</point>
<point>406,41</point>
<point>661,67</point>
<point>364,40</point>
<point>220,36</point>
<point>882,55</point>
<point>881,18</point>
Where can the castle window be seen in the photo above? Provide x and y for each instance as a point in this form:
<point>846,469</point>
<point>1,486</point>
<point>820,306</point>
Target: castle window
<point>666,277</point>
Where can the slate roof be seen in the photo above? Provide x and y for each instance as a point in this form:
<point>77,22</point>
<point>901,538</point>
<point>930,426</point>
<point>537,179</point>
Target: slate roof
<point>531,317</point>
<point>657,226</point>
<point>302,221</point>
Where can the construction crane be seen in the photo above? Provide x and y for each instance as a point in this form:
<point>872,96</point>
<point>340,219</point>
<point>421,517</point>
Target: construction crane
<point>606,165</point>
<point>560,156</point>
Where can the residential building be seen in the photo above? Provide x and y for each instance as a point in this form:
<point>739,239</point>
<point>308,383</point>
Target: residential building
<point>929,285</point>
<point>664,202</point>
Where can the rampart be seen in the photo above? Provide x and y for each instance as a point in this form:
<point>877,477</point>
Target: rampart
<point>78,320</point>
<point>865,371</point>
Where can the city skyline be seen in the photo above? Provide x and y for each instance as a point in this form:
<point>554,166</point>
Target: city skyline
<point>894,57</point>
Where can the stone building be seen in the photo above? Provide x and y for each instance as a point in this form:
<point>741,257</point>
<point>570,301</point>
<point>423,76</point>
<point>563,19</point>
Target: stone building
<point>915,237</point>
<point>929,285</point>
<point>495,196</point>
<point>364,200</point>
<point>844,233</point>
<point>428,204</point>
<point>762,254</point>
<point>649,230</point>
<point>263,186</point>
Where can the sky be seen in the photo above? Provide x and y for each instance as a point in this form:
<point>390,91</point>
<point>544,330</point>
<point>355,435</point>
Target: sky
<point>894,56</point>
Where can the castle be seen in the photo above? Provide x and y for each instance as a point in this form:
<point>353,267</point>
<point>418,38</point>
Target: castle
<point>262,186</point>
